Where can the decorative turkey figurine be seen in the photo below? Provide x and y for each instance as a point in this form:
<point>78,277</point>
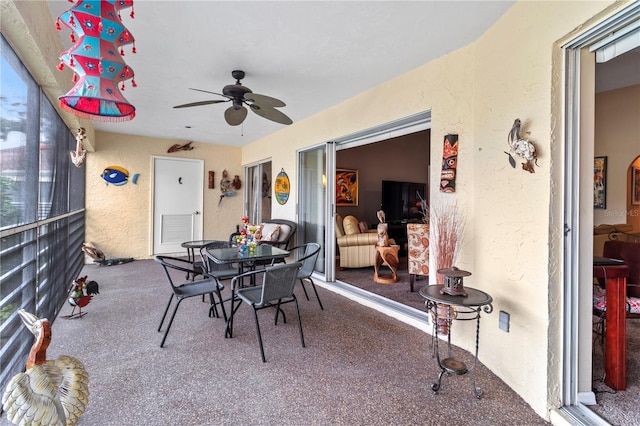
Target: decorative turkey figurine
<point>49,392</point>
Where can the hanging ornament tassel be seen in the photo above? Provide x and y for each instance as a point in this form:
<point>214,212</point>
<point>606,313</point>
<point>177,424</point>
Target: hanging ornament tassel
<point>133,82</point>
<point>61,66</point>
<point>72,37</point>
<point>133,49</point>
<point>58,24</point>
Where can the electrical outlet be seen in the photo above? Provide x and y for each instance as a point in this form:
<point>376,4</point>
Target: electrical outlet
<point>503,321</point>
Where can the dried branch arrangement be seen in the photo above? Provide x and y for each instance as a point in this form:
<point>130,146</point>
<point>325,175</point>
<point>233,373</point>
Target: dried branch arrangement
<point>448,226</point>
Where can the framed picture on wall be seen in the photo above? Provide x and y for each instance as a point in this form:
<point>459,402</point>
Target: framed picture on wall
<point>600,183</point>
<point>346,187</point>
<point>635,186</point>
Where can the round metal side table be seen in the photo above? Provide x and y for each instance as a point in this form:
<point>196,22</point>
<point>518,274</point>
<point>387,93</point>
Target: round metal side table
<point>446,308</point>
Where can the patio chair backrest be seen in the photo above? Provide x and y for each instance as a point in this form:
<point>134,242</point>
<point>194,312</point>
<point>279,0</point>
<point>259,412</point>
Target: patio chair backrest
<point>310,253</point>
<point>279,281</point>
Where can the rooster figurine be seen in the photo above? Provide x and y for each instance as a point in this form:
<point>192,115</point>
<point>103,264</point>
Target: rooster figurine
<point>81,294</point>
<point>49,392</point>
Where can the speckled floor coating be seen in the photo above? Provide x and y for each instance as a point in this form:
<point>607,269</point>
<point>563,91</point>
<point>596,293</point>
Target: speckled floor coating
<point>359,367</point>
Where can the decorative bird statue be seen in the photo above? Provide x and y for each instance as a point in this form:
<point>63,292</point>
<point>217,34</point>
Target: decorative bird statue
<point>80,295</point>
<point>522,147</point>
<point>78,156</point>
<point>49,392</point>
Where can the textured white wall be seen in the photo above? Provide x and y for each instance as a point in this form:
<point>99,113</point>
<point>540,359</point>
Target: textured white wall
<point>119,218</point>
<point>511,72</point>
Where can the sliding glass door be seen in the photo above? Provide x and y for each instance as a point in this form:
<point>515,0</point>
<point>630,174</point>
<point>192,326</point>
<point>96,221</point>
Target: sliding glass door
<point>258,201</point>
<point>313,209</point>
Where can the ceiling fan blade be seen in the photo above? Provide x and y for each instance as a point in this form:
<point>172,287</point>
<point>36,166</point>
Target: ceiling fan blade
<point>264,100</point>
<point>235,116</point>
<point>192,104</point>
<point>213,93</point>
<point>271,114</point>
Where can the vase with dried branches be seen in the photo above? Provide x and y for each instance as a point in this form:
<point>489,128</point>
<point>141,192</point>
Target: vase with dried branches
<point>448,226</point>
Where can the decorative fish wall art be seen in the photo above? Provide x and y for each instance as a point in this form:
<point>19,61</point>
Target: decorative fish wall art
<point>118,176</point>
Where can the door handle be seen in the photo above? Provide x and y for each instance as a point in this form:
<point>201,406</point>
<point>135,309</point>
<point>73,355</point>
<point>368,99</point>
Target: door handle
<point>196,212</point>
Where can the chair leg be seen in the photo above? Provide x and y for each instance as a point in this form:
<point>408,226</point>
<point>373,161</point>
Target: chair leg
<point>299,321</point>
<point>165,312</point>
<point>213,308</point>
<point>316,292</point>
<point>170,323</point>
<point>304,288</point>
<point>224,312</point>
<point>255,315</point>
<point>278,311</point>
<point>229,329</point>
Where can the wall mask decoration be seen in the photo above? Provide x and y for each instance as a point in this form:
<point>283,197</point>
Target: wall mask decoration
<point>282,187</point>
<point>522,147</point>
<point>177,147</point>
<point>78,156</point>
<point>449,164</point>
<point>96,60</point>
<point>118,176</point>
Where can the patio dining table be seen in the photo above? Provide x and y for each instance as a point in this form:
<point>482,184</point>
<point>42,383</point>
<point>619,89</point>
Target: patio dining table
<point>247,261</point>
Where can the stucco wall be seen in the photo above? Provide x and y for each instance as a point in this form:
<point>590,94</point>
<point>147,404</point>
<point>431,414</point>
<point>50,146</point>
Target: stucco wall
<point>119,217</point>
<point>477,92</point>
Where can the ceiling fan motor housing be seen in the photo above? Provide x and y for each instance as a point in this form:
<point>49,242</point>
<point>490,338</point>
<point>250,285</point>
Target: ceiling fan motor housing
<point>235,90</point>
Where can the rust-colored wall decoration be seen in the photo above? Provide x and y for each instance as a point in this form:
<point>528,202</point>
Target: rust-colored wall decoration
<point>449,164</point>
<point>212,177</point>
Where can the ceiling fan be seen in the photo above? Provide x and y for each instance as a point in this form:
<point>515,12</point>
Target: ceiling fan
<point>239,95</point>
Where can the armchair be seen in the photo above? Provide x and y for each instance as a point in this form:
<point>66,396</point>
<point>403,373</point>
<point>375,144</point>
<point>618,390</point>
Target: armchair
<point>278,232</point>
<point>357,249</point>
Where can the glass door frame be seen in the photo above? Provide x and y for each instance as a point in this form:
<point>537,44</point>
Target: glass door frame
<point>252,178</point>
<point>401,127</point>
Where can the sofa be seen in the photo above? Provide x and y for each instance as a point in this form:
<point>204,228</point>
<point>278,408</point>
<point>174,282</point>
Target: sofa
<point>356,243</point>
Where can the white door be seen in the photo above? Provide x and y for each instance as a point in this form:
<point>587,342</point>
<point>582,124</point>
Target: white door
<point>178,185</point>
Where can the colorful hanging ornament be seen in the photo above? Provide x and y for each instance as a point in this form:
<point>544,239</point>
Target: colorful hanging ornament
<point>96,60</point>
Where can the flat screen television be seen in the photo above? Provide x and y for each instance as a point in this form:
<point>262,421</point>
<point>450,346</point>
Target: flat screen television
<point>400,200</point>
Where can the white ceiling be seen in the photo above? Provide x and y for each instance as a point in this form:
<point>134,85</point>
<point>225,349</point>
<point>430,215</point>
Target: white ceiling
<point>310,54</point>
